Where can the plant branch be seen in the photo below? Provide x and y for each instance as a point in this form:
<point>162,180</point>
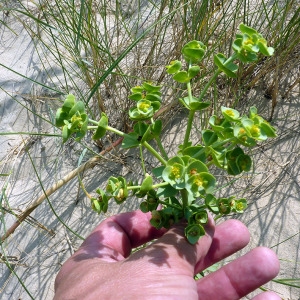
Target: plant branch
<point>154,152</point>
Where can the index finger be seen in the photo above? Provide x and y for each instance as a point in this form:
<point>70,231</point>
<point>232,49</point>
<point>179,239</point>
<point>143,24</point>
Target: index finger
<point>115,237</point>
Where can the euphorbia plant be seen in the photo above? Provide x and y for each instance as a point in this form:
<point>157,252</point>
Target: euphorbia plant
<point>181,187</point>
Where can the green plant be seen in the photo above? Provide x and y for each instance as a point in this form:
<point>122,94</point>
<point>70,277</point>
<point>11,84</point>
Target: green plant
<point>183,186</point>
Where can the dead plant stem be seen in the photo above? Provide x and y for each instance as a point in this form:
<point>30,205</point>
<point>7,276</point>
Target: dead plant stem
<point>87,165</point>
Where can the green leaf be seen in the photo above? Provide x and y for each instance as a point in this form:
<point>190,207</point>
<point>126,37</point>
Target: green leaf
<point>65,133</point>
<point>247,29</point>
<point>212,203</point>
<point>130,140</point>
<point>152,131</point>
<point>175,159</point>
<point>102,125</point>
<point>182,77</point>
<point>209,137</point>
<point>136,96</point>
<point>151,88</point>
<point>166,191</point>
<point>174,67</point>
<point>193,71</point>
<point>193,233</point>
<point>137,89</point>
<point>217,157</point>
<point>140,128</point>
<point>194,103</point>
<point>146,184</point>
<point>268,129</point>
<point>68,103</point>
<point>153,97</point>
<point>157,172</point>
<point>228,68</point>
<point>196,152</point>
<point>193,51</point>
<point>264,49</point>
<point>60,117</point>
<point>195,167</point>
<point>78,107</point>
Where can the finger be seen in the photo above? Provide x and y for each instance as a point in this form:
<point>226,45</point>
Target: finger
<point>230,236</point>
<point>174,250</point>
<point>241,276</point>
<point>115,237</point>
<point>267,296</point>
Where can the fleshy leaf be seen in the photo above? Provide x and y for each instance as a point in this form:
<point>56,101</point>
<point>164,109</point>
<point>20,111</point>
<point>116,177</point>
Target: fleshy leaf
<point>228,68</point>
<point>230,114</point>
<point>102,125</point>
<point>130,140</point>
<point>193,71</point>
<point>60,117</point>
<point>182,77</point>
<point>193,233</point>
<point>174,67</point>
<point>193,51</point>
<point>146,184</point>
<point>209,137</point>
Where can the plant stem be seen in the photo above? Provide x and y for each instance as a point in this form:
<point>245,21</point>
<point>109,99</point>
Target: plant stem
<point>161,148</point>
<point>190,119</point>
<point>114,130</point>
<point>188,128</point>
<point>154,186</point>
<point>93,121</point>
<point>154,153</point>
<point>217,217</point>
<point>213,78</point>
<point>83,187</point>
<point>184,196</point>
<point>168,204</point>
<point>142,160</point>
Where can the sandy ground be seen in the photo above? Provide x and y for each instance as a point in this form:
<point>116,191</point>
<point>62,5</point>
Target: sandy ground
<point>36,250</point>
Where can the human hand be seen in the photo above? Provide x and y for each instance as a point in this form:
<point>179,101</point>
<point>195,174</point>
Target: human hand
<point>103,267</point>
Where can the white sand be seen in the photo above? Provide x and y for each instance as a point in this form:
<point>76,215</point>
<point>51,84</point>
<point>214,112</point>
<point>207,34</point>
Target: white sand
<point>273,216</point>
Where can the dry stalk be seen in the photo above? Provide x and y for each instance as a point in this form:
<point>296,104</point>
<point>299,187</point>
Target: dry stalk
<point>87,165</point>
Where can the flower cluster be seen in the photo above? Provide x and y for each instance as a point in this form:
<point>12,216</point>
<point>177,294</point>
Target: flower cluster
<point>188,173</point>
<point>148,97</point>
<point>248,44</point>
<point>230,130</point>
<point>72,118</point>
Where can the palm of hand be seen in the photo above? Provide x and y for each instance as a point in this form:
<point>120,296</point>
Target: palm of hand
<point>104,269</point>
